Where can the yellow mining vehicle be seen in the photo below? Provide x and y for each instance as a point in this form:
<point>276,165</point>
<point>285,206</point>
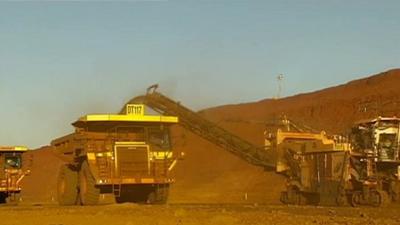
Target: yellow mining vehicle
<point>128,154</point>
<point>11,173</point>
<point>313,163</point>
<point>362,169</point>
<point>375,161</point>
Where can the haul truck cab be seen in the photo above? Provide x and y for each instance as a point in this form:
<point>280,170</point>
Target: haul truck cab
<point>11,173</point>
<point>128,155</point>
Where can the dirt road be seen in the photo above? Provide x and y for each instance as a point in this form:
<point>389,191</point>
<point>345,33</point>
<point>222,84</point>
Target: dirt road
<point>129,214</point>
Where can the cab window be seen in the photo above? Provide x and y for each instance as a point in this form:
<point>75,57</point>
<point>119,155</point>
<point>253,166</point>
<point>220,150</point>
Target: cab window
<point>159,137</point>
<point>387,145</point>
<point>12,162</point>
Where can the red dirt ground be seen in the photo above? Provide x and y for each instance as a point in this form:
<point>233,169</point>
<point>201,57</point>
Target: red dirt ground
<point>209,174</point>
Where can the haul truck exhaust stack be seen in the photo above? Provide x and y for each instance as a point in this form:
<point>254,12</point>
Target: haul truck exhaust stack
<point>11,173</point>
<point>127,154</point>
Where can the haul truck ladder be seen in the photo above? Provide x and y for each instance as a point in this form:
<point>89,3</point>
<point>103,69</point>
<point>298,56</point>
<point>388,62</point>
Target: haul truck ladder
<point>206,129</point>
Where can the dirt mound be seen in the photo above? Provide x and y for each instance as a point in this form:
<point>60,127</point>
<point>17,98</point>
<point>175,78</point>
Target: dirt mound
<point>210,174</point>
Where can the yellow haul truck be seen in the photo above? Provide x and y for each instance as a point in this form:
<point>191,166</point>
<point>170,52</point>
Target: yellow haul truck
<point>11,173</point>
<point>127,154</point>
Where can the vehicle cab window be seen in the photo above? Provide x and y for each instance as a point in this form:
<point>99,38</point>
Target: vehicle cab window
<point>159,136</point>
<point>12,162</point>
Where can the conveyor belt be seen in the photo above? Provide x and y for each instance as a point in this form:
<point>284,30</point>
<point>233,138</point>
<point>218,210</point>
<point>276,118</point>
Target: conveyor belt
<point>206,129</point>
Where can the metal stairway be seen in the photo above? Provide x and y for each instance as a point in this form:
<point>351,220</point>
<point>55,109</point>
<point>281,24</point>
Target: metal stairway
<point>205,128</point>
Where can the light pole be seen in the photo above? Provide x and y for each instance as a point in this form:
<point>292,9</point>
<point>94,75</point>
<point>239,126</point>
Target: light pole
<point>279,78</point>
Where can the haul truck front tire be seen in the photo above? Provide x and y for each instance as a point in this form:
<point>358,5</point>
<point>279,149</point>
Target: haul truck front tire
<point>88,192</point>
<point>67,183</point>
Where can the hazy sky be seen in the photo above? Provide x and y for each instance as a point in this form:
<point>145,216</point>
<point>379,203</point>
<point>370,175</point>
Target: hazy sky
<point>59,61</point>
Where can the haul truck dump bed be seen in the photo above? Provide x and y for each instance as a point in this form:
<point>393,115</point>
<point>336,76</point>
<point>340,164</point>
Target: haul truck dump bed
<point>128,155</point>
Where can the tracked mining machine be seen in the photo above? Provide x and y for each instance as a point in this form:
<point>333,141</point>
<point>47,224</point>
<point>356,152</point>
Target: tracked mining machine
<point>313,164</point>
<point>11,173</point>
<point>362,169</point>
<point>128,155</point>
<point>320,169</point>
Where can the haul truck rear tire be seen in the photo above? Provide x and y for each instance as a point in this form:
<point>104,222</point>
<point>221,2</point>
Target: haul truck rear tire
<point>67,183</point>
<point>88,192</point>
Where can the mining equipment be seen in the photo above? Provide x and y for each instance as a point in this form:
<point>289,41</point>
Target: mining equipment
<point>107,154</point>
<point>204,128</point>
<point>294,153</point>
<point>11,173</point>
<point>375,161</point>
<point>314,166</point>
<point>320,169</point>
<point>129,155</point>
<point>362,169</point>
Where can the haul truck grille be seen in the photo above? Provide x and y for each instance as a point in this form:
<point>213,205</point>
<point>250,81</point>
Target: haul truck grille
<point>132,161</point>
